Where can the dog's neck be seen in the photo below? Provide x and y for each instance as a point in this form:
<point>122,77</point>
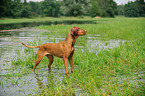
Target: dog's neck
<point>71,39</point>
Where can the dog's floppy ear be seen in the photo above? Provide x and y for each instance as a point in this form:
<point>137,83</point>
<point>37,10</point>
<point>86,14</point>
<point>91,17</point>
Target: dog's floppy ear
<point>74,31</point>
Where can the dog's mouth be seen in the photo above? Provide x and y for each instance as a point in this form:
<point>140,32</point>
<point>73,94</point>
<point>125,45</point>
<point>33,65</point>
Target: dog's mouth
<point>82,32</point>
<point>85,32</point>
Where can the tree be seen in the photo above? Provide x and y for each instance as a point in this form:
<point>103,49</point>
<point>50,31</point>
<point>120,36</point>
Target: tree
<point>104,8</point>
<point>34,8</point>
<point>110,8</point>
<point>94,10</point>
<point>75,7</point>
<point>49,8</point>
<point>135,9</point>
<point>120,9</point>
<point>5,8</point>
<point>141,5</point>
<point>25,11</point>
<point>9,8</point>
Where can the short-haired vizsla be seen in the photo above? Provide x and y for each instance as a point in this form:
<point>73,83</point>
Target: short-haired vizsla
<point>63,49</point>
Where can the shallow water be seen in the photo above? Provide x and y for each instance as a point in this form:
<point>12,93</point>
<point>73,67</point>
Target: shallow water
<point>34,82</point>
<point>33,24</point>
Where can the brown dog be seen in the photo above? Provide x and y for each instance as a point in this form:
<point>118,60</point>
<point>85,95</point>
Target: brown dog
<point>63,49</point>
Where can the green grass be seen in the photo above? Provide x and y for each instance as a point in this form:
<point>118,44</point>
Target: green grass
<point>21,20</point>
<point>115,71</point>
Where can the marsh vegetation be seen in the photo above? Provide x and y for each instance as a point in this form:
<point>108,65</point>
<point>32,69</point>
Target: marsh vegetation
<point>108,60</point>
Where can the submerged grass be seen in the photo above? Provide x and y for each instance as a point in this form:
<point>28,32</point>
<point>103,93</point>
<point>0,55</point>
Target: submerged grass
<point>117,71</point>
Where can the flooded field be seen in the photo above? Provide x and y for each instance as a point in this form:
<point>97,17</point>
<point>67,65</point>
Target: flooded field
<point>32,83</point>
<point>108,60</point>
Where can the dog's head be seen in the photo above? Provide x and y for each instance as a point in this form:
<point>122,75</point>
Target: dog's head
<point>76,31</point>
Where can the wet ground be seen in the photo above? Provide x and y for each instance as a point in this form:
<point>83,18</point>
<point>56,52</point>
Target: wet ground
<point>34,82</point>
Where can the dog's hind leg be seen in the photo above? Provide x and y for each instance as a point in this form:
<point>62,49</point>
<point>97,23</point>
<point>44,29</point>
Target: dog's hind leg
<point>50,57</point>
<point>40,55</point>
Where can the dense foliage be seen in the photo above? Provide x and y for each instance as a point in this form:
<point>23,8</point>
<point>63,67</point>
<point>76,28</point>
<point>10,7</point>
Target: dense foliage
<point>56,8</point>
<point>132,9</point>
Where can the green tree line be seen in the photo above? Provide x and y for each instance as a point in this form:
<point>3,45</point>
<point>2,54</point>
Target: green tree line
<point>132,9</point>
<point>56,8</point>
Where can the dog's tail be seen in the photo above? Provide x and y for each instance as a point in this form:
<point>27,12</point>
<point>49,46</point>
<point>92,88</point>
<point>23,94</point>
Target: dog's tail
<point>31,46</point>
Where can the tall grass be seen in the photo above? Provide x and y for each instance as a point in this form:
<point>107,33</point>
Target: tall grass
<point>116,72</point>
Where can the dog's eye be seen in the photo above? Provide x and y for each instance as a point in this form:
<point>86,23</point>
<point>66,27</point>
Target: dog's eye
<point>78,29</point>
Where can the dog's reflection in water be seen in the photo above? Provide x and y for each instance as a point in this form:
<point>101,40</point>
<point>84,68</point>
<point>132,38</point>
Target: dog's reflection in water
<point>46,82</point>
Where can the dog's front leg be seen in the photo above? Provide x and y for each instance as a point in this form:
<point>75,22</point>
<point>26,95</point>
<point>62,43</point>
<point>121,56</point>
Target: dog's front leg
<point>65,64</point>
<point>71,61</point>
